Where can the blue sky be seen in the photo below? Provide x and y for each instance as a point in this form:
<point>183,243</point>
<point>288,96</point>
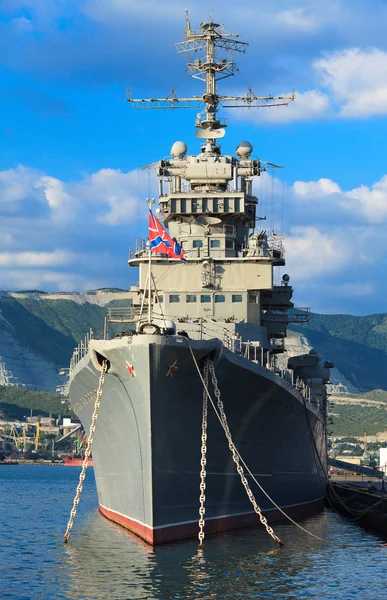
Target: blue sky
<point>71,194</point>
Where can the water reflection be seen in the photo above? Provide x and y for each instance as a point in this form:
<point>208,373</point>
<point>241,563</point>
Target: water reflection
<point>104,561</point>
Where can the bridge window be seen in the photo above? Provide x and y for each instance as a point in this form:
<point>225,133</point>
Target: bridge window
<point>174,298</point>
<point>160,299</point>
<point>197,244</point>
<point>237,297</point>
<point>215,243</point>
<point>205,298</point>
<point>229,244</point>
<point>220,298</point>
<point>191,298</point>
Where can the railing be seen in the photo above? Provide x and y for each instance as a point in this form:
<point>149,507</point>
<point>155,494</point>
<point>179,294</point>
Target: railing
<point>117,314</point>
<point>273,249</point>
<point>299,315</point>
<point>277,248</point>
<point>80,351</point>
<point>259,355</point>
<point>141,249</point>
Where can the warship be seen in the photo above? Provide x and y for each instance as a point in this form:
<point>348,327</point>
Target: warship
<point>209,323</point>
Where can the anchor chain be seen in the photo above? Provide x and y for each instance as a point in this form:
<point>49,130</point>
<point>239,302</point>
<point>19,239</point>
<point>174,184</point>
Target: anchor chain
<point>235,455</point>
<point>87,452</point>
<point>203,460</point>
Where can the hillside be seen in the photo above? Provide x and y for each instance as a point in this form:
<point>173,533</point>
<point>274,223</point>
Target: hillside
<point>38,332</point>
<point>17,404</point>
<point>357,346</point>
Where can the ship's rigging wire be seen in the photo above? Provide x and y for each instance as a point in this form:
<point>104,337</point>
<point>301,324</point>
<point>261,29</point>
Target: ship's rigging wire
<point>282,201</point>
<point>173,90</point>
<point>255,479</point>
<point>272,182</point>
<point>138,199</point>
<point>261,214</point>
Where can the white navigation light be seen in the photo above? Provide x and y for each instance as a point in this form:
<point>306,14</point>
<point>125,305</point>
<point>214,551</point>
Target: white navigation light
<point>244,149</point>
<point>178,150</point>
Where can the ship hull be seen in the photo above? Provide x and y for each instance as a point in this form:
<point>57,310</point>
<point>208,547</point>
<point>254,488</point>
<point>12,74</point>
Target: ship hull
<point>147,444</point>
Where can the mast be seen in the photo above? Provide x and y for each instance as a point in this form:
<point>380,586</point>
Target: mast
<point>150,201</point>
<point>210,68</point>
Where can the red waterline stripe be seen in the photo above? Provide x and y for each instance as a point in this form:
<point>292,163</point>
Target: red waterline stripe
<point>171,533</point>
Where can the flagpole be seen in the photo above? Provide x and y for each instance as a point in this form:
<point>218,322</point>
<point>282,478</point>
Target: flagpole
<point>150,201</point>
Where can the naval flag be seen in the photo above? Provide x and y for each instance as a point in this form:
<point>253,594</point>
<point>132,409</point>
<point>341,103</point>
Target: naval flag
<point>160,241</point>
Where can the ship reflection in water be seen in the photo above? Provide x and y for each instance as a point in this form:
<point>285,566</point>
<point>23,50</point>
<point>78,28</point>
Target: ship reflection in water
<point>105,561</point>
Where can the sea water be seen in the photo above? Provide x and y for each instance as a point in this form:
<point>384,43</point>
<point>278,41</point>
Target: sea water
<point>104,561</point>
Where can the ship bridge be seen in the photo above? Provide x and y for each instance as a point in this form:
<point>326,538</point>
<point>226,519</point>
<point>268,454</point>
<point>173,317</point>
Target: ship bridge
<point>206,201</point>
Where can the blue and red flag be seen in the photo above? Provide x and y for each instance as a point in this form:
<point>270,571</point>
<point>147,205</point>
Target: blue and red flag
<point>160,241</point>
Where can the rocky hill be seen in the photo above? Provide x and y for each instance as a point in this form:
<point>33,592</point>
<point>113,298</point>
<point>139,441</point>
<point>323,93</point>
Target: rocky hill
<point>357,346</point>
<point>38,332</point>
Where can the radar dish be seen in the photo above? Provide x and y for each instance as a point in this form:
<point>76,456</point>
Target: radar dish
<point>204,220</point>
<point>210,134</point>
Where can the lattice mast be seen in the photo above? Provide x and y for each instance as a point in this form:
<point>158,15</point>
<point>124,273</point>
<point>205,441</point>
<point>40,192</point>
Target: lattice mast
<point>211,68</point>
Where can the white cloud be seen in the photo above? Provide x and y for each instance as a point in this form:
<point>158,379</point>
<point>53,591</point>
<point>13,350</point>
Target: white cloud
<point>109,195</point>
<point>298,19</point>
<point>54,191</point>
<point>35,279</point>
<point>114,189</point>
<point>363,202</point>
<point>16,185</point>
<point>305,107</point>
<point>322,187</point>
<point>342,235</point>
<point>58,230</point>
<point>311,253</point>
<point>357,79</point>
<point>371,202</point>
<point>36,259</point>
<point>350,83</point>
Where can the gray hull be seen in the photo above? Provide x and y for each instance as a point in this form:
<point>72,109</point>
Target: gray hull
<point>147,444</point>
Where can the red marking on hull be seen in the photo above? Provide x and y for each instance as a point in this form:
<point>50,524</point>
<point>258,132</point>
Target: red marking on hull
<point>77,462</point>
<point>144,531</point>
<point>172,533</point>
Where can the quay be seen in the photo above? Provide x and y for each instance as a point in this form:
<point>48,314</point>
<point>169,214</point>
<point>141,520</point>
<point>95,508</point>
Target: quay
<point>356,499</point>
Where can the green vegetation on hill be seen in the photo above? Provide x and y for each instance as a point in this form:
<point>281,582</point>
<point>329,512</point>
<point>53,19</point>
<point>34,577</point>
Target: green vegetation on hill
<point>52,328</point>
<point>370,331</point>
<point>378,395</point>
<point>354,420</point>
<point>357,346</point>
<point>16,403</point>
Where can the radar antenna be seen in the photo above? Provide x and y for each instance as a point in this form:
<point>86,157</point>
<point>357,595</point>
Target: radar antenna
<point>210,68</point>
